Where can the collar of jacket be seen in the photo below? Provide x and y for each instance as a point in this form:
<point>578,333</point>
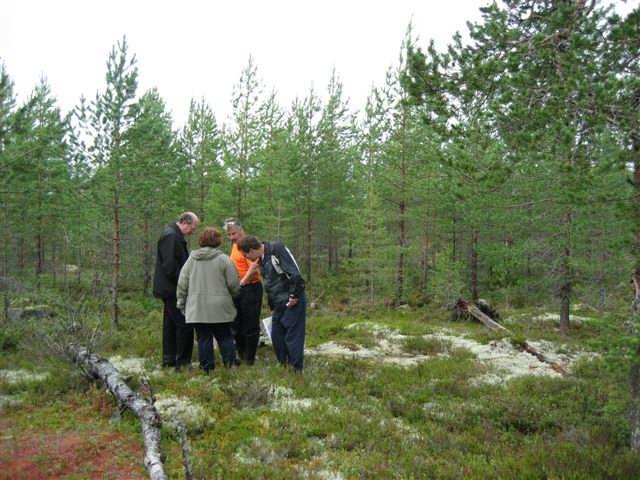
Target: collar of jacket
<point>267,251</point>
<point>176,229</point>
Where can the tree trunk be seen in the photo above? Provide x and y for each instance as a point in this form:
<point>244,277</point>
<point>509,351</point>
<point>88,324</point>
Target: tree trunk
<point>454,247</point>
<point>474,264</point>
<point>402,227</point>
<point>425,265</point>
<point>54,263</point>
<point>5,257</point>
<point>115,280</point>
<point>635,402</point>
<point>566,287</point>
<point>203,179</point>
<point>142,408</point>
<point>308,245</point>
<point>146,256</point>
<point>635,159</point>
<point>21,252</point>
<point>39,254</point>
<point>635,367</point>
<point>400,267</point>
<point>40,234</point>
<point>330,251</point>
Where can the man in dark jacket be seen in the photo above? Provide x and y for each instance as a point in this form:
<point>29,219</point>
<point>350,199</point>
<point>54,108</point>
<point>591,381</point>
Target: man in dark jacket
<point>177,336</point>
<point>286,293</point>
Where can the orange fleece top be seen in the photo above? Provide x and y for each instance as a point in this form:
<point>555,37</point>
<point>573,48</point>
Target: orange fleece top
<point>242,265</point>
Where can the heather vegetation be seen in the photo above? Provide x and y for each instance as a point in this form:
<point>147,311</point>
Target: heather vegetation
<point>505,168</point>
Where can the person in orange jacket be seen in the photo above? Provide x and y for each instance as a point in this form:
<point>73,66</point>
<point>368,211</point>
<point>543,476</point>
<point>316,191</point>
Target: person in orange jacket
<point>248,301</point>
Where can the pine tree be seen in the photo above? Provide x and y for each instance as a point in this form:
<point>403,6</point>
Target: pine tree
<point>45,173</point>
<point>111,115</point>
<point>244,137</point>
<point>153,166</point>
<point>7,106</point>
<point>201,143</point>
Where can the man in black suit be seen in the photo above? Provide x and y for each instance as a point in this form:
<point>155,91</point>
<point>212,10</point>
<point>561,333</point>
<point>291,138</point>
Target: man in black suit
<point>177,336</point>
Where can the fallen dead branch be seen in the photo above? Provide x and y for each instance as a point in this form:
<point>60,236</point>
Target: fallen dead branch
<point>142,408</point>
<point>186,452</point>
<point>475,312</point>
<point>635,279</point>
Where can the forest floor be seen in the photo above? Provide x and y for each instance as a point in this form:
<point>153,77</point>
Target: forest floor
<point>384,394</point>
<point>72,440</point>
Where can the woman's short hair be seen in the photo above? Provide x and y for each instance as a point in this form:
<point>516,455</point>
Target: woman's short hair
<point>210,237</point>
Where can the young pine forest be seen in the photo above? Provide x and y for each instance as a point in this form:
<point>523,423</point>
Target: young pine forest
<point>469,240</point>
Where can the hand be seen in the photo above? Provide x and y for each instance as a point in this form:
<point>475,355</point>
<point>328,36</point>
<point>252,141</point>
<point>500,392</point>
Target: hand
<point>292,302</point>
<point>253,268</point>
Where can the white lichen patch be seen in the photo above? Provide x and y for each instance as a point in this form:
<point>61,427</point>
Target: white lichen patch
<point>9,401</point>
<point>128,366</point>
<point>406,432</point>
<point>134,366</point>
<point>258,451</point>
<point>13,377</point>
<point>284,399</point>
<point>503,360</point>
<point>435,410</point>
<point>555,318</point>
<point>328,475</point>
<point>323,473</point>
<point>387,351</point>
<point>177,410</point>
<point>562,354</point>
<point>376,329</point>
<point>546,317</point>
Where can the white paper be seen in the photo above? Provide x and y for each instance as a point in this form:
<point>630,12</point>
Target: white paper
<point>266,324</point>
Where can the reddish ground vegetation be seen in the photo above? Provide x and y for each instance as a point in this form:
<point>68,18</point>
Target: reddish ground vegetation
<point>86,454</point>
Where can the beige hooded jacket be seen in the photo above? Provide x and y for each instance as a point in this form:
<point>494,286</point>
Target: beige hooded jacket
<point>207,281</point>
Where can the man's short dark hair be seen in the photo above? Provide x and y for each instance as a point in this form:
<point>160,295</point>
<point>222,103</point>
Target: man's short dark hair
<point>186,218</point>
<point>248,242</point>
<point>210,237</point>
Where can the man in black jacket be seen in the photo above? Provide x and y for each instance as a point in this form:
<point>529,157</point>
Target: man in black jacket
<point>177,336</point>
<point>286,292</point>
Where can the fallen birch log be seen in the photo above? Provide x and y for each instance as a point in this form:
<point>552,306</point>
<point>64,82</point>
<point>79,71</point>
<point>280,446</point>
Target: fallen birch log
<point>475,312</point>
<point>150,420</point>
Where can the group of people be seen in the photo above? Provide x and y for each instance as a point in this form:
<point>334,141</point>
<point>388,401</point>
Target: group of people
<point>220,296</point>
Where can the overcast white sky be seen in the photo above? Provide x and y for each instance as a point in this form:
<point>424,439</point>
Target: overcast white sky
<point>192,49</point>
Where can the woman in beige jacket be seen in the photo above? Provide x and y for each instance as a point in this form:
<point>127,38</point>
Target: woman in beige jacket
<point>207,281</point>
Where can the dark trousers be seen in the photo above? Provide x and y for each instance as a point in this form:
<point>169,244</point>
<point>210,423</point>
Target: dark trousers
<point>287,334</point>
<point>246,326</point>
<point>222,333</point>
<point>177,336</point>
